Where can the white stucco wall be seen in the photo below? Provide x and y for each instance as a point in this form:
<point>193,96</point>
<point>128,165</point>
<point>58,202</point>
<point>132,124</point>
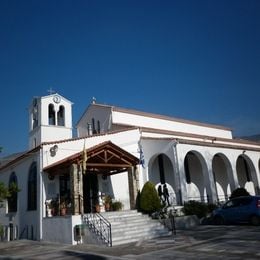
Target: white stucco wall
<point>23,217</point>
<point>45,132</point>
<point>61,229</point>
<point>128,140</point>
<point>101,113</point>
<point>170,125</point>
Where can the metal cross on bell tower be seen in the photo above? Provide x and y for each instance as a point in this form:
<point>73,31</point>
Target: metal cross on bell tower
<point>51,91</point>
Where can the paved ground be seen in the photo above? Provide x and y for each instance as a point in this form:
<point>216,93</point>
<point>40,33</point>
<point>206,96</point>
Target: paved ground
<point>203,242</point>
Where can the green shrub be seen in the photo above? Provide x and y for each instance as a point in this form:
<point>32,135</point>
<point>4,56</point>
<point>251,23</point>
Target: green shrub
<point>1,231</point>
<point>149,199</point>
<point>200,209</point>
<point>4,192</point>
<point>192,207</point>
<point>239,192</point>
<point>211,207</point>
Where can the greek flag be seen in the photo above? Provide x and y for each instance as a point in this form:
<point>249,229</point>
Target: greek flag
<point>142,162</point>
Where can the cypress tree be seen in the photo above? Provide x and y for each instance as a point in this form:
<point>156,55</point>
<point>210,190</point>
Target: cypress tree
<point>149,199</point>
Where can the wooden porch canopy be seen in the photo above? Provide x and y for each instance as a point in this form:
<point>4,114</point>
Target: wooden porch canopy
<point>105,158</point>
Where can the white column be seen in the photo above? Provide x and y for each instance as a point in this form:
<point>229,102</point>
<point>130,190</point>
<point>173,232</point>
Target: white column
<point>181,192</point>
<point>210,183</point>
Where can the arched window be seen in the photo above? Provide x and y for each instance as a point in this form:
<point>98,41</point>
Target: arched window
<point>61,116</point>
<point>98,127</point>
<point>32,187</point>
<point>12,200</point>
<point>51,114</point>
<point>93,126</point>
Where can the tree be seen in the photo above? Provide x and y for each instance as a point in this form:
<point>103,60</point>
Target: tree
<point>239,192</point>
<point>4,192</point>
<point>149,199</point>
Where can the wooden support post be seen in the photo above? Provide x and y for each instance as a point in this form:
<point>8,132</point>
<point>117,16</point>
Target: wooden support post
<point>76,189</point>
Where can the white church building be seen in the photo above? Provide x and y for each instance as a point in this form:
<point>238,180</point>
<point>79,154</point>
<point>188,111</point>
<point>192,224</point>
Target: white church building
<point>197,161</point>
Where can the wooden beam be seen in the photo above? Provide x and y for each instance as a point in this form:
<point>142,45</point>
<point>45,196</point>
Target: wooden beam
<point>108,165</point>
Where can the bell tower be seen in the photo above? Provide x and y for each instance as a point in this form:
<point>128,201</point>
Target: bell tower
<point>50,119</point>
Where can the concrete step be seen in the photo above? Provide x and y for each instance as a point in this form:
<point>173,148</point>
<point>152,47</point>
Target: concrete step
<point>132,221</point>
<point>120,214</point>
<point>138,227</point>
<point>128,230</point>
<point>130,226</point>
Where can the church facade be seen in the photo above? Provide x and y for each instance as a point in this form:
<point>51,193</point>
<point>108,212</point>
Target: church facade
<point>116,151</point>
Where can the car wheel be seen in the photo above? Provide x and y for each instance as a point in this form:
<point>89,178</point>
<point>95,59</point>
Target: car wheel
<point>218,220</point>
<point>255,220</point>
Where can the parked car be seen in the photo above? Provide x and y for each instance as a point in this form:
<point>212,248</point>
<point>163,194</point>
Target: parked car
<point>238,210</point>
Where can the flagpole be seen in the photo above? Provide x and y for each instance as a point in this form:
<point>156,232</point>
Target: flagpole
<point>84,158</point>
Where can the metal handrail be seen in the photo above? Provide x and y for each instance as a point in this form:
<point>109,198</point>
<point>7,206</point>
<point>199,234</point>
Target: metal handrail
<point>100,226</point>
<point>25,229</point>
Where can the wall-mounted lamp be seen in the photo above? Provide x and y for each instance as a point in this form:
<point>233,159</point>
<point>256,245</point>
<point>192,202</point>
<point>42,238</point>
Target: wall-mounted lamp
<point>213,140</point>
<point>53,150</point>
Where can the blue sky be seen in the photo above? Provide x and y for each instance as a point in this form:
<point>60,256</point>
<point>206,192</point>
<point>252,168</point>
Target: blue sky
<point>197,60</point>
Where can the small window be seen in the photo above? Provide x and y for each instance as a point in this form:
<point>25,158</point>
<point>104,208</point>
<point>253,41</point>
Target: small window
<point>51,115</point>
<point>12,200</point>
<point>98,127</point>
<point>32,187</point>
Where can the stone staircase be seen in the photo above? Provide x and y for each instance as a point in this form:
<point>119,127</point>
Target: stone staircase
<point>131,226</point>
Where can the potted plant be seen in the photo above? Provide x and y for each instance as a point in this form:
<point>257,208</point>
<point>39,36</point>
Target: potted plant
<point>107,202</point>
<point>97,206</point>
<point>54,206</point>
<point>116,205</point>
<point>63,208</point>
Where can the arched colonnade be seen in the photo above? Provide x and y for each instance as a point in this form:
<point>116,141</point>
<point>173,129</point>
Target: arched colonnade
<point>205,174</point>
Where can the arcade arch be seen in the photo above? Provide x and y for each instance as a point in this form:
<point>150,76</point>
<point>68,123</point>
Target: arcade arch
<point>196,173</point>
<point>161,172</point>
<point>259,165</point>
<point>222,173</point>
<point>246,174</point>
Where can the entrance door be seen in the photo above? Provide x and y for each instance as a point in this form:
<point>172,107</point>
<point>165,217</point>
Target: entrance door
<point>90,191</point>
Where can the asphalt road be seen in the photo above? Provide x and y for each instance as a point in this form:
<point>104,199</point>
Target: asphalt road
<point>203,242</point>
